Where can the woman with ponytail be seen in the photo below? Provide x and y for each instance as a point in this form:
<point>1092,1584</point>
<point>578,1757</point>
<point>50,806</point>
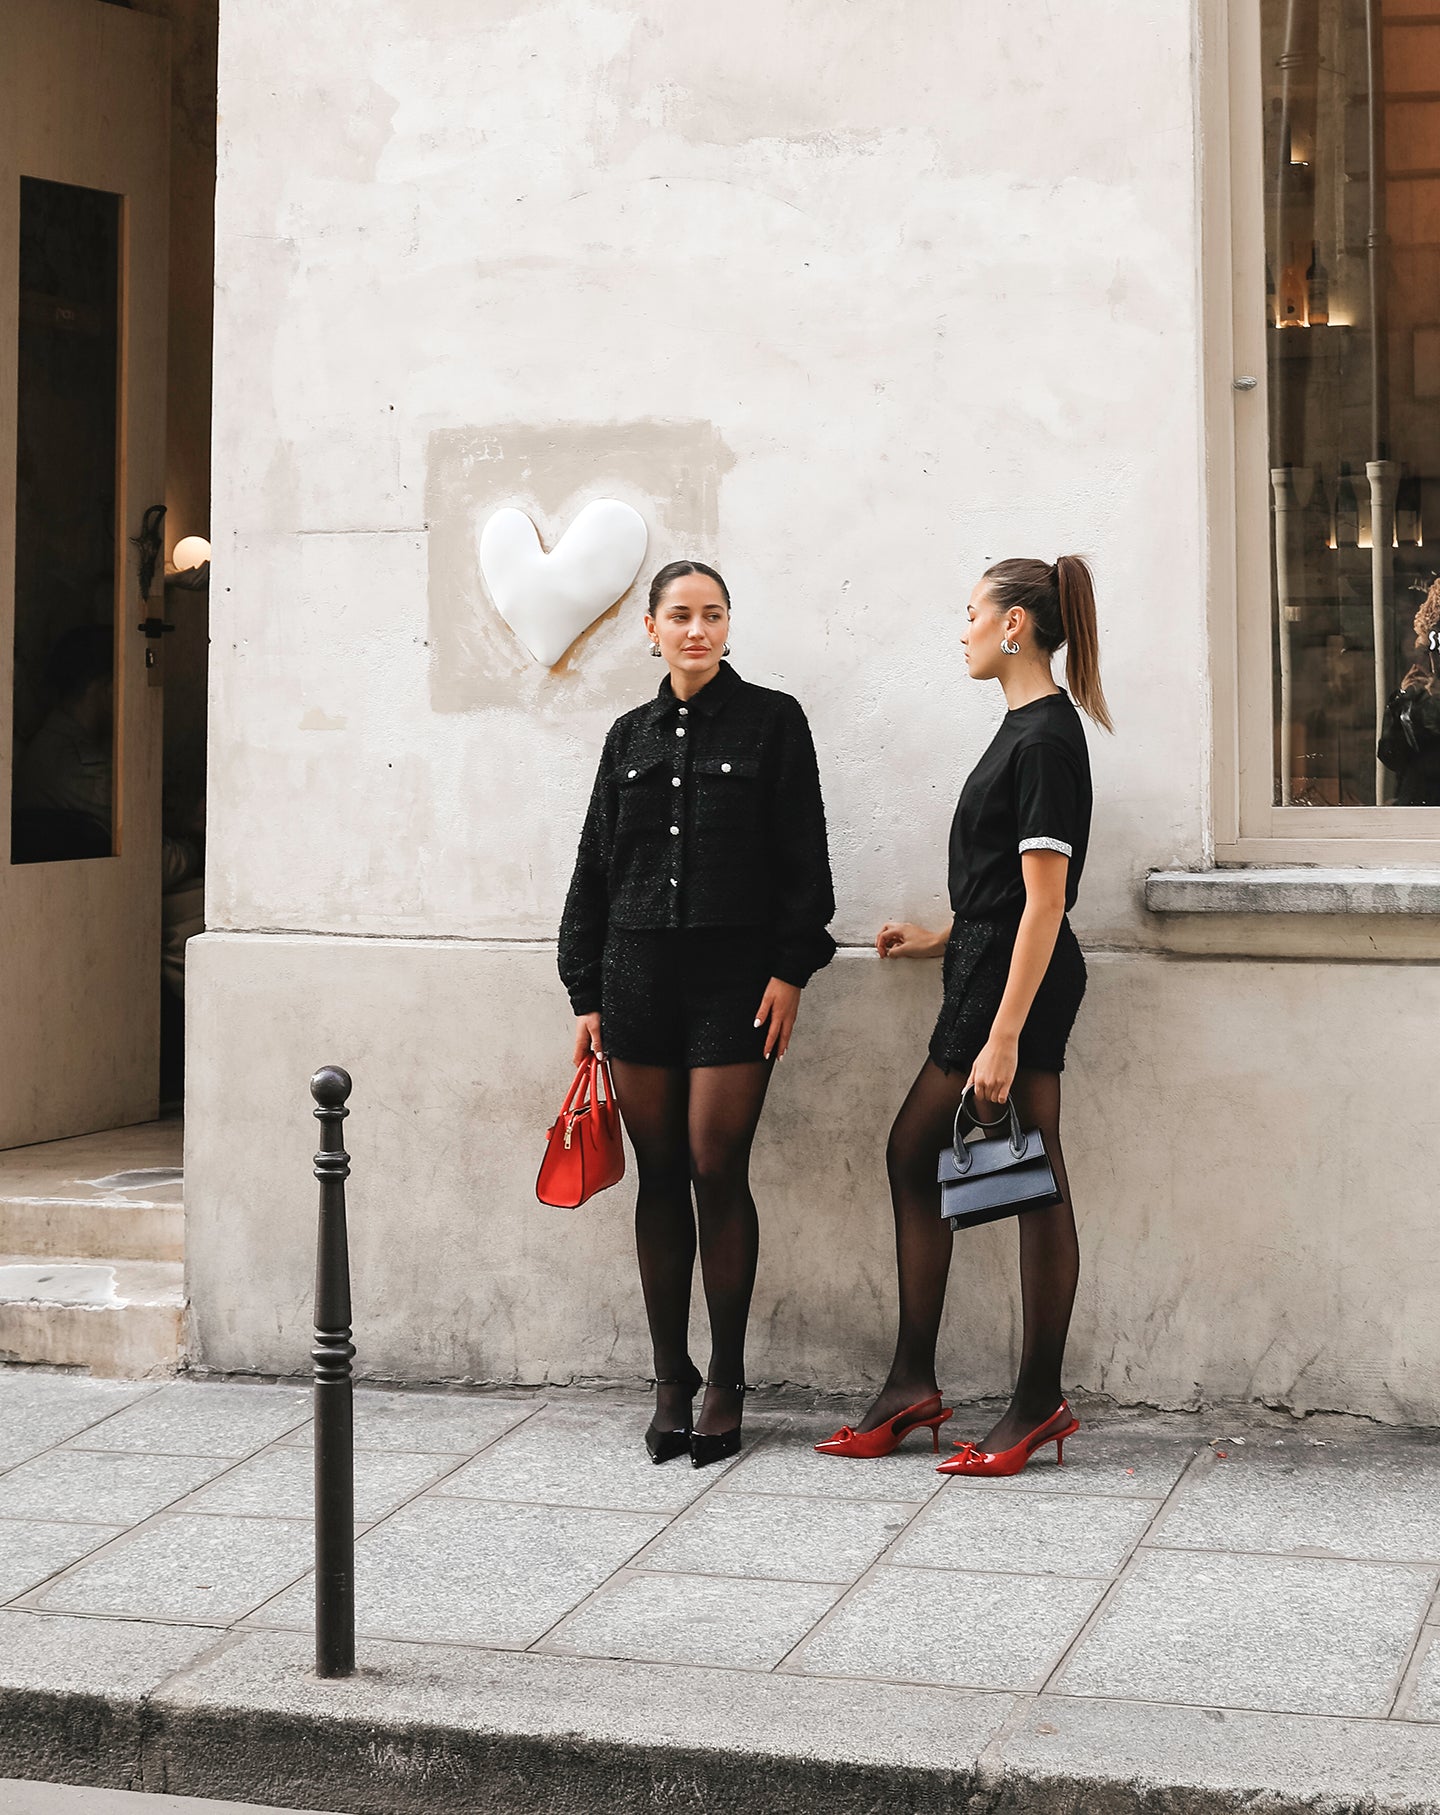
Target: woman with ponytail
<point>1013,978</point>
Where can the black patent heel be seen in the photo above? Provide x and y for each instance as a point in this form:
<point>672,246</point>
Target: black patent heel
<point>705,1448</point>
<point>665,1446</point>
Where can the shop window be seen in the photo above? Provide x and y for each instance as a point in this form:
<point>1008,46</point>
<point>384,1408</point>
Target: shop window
<point>1349,136</point>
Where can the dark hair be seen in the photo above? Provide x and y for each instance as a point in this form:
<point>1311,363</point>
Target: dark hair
<point>1060,600</point>
<point>677,571</point>
<point>78,657</point>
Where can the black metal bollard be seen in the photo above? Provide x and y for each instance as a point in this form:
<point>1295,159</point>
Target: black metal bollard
<point>334,1407</point>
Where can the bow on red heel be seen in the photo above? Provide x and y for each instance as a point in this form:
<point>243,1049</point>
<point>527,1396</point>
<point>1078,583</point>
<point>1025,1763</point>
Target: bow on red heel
<point>970,1459</point>
<point>927,1414</point>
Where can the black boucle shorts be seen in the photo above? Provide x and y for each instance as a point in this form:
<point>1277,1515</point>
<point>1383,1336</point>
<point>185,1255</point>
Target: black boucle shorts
<point>684,998</point>
<point>976,970</point>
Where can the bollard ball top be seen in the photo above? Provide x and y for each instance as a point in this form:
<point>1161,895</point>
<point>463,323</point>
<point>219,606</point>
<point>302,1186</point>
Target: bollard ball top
<point>330,1087</point>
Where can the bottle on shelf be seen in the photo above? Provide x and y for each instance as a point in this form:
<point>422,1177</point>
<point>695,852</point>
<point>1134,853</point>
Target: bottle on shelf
<point>1319,511</point>
<point>1270,296</point>
<point>1292,295</point>
<point>1347,509</point>
<point>1407,509</point>
<point>1317,291</point>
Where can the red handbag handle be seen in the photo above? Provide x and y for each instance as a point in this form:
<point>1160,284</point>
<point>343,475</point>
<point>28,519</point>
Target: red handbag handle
<point>583,1091</point>
<point>580,1087</point>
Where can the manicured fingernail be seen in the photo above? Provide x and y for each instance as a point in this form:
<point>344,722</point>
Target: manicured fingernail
<point>757,1023</point>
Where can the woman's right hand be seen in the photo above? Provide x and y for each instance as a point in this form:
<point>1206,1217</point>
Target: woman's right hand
<point>587,1039</point>
<point>902,939</point>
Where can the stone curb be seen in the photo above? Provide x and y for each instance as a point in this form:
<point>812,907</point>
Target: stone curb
<point>311,1758</point>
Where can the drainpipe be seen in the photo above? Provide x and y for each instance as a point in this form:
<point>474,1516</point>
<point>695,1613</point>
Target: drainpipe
<point>1382,473</point>
<point>1282,484</point>
<point>1281,475</point>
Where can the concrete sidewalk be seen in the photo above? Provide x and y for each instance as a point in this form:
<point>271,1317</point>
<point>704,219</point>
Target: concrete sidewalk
<point>1193,1612</point>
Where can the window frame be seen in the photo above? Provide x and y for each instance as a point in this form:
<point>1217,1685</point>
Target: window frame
<point>1247,826</point>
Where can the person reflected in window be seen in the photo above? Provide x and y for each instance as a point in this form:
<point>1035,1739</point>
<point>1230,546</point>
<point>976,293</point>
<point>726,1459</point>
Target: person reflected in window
<point>64,784</point>
<point>696,915</point>
<point>1410,730</point>
<point>1013,981</point>
<point>64,779</point>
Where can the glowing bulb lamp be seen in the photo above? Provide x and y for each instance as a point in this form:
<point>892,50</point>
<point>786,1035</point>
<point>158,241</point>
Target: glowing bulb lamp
<point>190,551</point>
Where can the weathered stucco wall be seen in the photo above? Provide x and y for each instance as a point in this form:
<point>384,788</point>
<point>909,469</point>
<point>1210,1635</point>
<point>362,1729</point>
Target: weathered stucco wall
<point>850,300</point>
<point>1234,1242</point>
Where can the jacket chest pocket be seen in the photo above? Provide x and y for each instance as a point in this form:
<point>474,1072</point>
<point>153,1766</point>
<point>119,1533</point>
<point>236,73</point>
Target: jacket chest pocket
<point>642,795</point>
<point>727,793</point>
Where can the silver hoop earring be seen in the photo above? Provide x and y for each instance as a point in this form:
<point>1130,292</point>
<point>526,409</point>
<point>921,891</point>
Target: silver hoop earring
<point>1009,647</point>
<point>725,650</point>
<point>655,649</point>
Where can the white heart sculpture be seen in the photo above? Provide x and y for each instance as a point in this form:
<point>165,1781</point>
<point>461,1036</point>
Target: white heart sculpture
<point>547,600</point>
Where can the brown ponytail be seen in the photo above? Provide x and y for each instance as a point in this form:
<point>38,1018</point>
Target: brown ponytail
<point>1082,646</point>
<point>1060,601</point>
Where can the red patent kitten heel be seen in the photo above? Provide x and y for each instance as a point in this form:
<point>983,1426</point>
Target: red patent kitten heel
<point>970,1459</point>
<point>885,1439</point>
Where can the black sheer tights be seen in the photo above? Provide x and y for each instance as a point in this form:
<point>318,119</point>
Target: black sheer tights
<point>1049,1254</point>
<point>695,1129</point>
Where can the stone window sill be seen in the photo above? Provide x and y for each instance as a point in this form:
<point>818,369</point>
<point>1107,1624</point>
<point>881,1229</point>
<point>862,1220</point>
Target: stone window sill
<point>1309,890</point>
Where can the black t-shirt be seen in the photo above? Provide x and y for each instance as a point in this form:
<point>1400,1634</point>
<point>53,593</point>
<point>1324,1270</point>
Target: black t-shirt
<point>1030,791</point>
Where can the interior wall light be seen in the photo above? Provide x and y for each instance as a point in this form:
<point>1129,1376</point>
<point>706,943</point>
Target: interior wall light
<point>190,564</point>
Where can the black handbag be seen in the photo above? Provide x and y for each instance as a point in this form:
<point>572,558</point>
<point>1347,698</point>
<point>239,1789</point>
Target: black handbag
<point>981,1181</point>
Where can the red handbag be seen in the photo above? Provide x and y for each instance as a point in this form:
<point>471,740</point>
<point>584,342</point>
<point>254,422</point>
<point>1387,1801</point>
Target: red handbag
<point>584,1152</point>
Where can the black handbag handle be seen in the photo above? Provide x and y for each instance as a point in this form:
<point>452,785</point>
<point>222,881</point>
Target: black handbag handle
<point>963,1115</point>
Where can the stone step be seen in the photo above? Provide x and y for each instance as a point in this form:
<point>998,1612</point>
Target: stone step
<point>117,1195</point>
<point>136,1226</point>
<point>114,1317</point>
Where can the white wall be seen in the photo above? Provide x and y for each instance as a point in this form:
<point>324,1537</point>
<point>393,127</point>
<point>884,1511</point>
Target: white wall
<point>851,300</point>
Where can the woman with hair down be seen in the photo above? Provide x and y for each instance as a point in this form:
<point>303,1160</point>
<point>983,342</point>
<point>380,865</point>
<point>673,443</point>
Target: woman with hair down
<point>1013,978</point>
<point>696,915</point>
<point>1410,730</point>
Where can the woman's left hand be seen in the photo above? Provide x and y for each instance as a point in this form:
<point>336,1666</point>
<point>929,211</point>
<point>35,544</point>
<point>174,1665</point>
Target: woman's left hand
<point>779,1007</point>
<point>993,1073</point>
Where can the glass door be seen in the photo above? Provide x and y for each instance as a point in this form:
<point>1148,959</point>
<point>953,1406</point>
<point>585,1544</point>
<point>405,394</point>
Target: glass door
<point>84,191</point>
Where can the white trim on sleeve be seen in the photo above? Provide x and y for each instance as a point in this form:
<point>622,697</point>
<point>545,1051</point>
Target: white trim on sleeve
<point>1046,844</point>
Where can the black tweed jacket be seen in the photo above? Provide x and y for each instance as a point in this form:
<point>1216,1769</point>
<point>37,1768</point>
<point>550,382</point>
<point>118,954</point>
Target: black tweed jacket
<point>703,814</point>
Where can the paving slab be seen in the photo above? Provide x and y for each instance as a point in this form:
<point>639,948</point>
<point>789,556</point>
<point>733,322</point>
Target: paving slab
<point>451,1731</point>
<point>787,1464</point>
<point>589,1457</point>
<point>201,1418</point>
<point>946,1626</point>
<point>38,1409</point>
<point>281,1483</point>
<point>1424,1701</point>
<point>59,1653</point>
<point>201,1571</point>
<point>798,1540</point>
<point>1071,1754</point>
<point>96,1489</point>
<point>1301,1635</point>
<point>1034,1534</point>
<point>686,1619</point>
<point>31,1550</point>
<point>1290,1497</point>
<point>477,1572</point>
<point>430,1423</point>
